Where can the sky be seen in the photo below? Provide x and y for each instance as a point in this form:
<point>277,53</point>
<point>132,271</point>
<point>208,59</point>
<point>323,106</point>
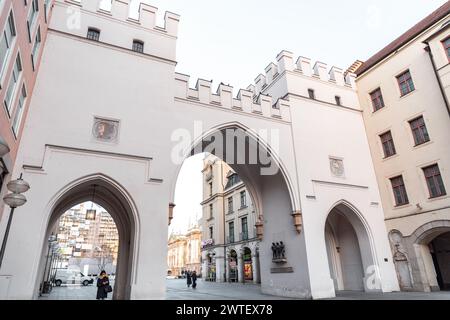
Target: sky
<point>233,41</point>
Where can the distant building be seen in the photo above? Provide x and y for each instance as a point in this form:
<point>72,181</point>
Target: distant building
<point>230,246</point>
<point>184,252</point>
<point>90,244</point>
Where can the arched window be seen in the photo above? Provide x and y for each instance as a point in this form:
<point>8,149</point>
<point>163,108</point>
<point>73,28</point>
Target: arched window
<point>138,46</point>
<point>93,34</point>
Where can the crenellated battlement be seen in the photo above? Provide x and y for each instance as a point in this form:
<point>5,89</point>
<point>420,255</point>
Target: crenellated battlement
<point>246,101</point>
<point>120,10</point>
<point>303,66</point>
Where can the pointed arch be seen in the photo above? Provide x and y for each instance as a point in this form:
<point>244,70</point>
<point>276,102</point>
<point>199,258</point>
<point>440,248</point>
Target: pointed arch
<point>114,198</point>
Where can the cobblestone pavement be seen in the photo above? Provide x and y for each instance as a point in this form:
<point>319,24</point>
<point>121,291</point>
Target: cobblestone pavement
<point>177,290</point>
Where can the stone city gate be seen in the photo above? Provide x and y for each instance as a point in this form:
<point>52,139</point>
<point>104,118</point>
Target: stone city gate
<point>102,114</point>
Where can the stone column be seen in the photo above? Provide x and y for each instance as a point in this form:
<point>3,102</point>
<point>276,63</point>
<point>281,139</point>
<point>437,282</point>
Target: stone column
<point>205,269</point>
<point>240,267</point>
<point>255,267</point>
<point>219,269</point>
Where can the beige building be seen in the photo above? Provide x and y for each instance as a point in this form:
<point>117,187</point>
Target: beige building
<point>184,252</point>
<point>230,246</point>
<point>404,93</point>
<point>91,243</point>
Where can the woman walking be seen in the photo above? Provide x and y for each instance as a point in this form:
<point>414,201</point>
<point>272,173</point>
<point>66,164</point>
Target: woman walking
<point>103,286</point>
<point>194,279</point>
<point>188,279</point>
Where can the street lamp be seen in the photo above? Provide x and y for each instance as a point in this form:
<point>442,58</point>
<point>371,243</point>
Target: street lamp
<point>13,200</point>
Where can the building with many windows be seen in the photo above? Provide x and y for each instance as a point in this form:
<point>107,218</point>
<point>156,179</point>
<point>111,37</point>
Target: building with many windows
<point>347,155</point>
<point>404,92</point>
<point>90,243</point>
<point>230,246</point>
<point>23,31</point>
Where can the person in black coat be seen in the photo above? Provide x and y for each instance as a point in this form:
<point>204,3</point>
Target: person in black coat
<point>194,279</point>
<point>102,286</point>
<point>188,279</point>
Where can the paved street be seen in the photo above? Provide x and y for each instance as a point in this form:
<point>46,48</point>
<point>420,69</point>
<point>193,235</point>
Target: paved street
<point>177,290</point>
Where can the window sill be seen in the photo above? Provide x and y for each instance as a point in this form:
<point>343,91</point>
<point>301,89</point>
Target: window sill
<point>407,94</point>
<point>395,155</point>
<point>402,206</point>
<point>243,208</point>
<point>442,197</point>
<point>416,146</point>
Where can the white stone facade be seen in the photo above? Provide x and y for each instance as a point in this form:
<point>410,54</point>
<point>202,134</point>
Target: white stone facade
<point>323,179</point>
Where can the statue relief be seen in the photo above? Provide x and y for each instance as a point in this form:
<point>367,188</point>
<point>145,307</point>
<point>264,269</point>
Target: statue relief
<point>337,167</point>
<point>105,130</point>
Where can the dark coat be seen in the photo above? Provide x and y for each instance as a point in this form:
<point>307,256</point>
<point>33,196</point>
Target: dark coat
<point>194,280</point>
<point>102,284</point>
<point>188,279</point>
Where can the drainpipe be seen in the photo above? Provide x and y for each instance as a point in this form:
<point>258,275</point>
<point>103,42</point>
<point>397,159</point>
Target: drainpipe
<point>441,86</point>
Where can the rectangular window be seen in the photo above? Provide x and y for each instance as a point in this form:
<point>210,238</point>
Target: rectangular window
<point>47,7</point>
<point>211,232</point>
<point>377,100</point>
<point>211,211</point>
<point>11,89</point>
<point>338,100</point>
<point>138,46</point>
<point>244,224</point>
<point>3,173</point>
<point>210,189</point>
<point>388,144</point>
<point>230,204</point>
<point>243,199</point>
<point>405,83</point>
<point>93,34</point>
<point>32,16</point>
<point>446,44</point>
<point>311,94</point>
<point>7,37</point>
<point>36,47</point>
<point>399,189</point>
<point>19,112</point>
<point>419,131</point>
<point>434,181</point>
<point>231,232</point>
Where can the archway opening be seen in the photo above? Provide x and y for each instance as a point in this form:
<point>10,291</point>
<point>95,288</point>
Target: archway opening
<point>435,247</point>
<point>78,209</point>
<point>243,191</point>
<point>348,249</point>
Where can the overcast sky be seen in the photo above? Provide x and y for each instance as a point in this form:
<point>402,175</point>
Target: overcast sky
<point>233,41</point>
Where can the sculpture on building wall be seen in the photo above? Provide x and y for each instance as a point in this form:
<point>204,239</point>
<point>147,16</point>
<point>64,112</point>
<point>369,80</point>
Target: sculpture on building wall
<point>278,252</point>
<point>401,260</point>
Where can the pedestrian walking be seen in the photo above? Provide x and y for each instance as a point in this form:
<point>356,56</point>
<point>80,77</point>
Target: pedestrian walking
<point>194,279</point>
<point>103,286</point>
<point>188,279</point>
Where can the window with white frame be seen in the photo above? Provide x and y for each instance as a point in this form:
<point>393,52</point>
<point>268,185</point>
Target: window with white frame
<point>36,47</point>
<point>7,38</point>
<point>11,89</point>
<point>19,111</point>
<point>32,16</point>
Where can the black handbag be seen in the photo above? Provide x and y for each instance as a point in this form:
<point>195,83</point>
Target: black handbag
<point>108,288</point>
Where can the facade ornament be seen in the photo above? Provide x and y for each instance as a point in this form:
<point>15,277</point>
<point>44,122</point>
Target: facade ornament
<point>171,206</point>
<point>298,221</point>
<point>259,229</point>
